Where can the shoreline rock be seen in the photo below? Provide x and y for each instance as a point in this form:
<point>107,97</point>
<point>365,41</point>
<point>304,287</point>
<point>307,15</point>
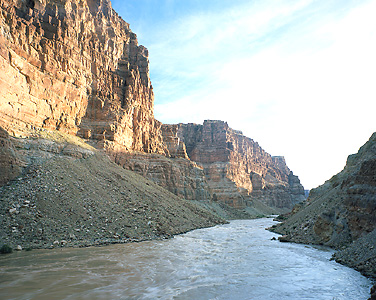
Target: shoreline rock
<point>341,213</point>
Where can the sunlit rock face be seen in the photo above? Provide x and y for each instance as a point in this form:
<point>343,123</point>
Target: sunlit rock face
<point>75,66</point>
<point>237,168</point>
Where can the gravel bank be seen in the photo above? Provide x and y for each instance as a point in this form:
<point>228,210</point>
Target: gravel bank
<point>71,195</point>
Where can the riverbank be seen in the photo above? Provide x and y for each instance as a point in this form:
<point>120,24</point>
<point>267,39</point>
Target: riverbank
<point>239,260</point>
<point>341,213</point>
<point>69,194</point>
<point>360,255</point>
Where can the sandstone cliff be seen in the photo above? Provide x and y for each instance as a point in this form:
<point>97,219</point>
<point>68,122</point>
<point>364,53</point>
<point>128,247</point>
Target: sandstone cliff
<point>237,169</point>
<point>75,66</point>
<point>68,69</point>
<point>214,162</point>
<point>342,211</point>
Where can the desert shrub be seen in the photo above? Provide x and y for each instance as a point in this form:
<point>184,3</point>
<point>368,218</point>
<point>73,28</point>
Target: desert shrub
<point>6,249</point>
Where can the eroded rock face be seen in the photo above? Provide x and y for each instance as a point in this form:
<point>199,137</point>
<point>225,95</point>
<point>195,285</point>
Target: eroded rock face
<point>75,66</point>
<point>175,146</point>
<point>10,162</point>
<point>179,175</point>
<point>343,209</point>
<point>236,167</point>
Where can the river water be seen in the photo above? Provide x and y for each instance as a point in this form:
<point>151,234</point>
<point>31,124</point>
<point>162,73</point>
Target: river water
<point>233,261</point>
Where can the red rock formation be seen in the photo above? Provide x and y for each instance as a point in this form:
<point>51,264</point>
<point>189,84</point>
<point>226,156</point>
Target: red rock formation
<point>175,146</point>
<point>178,175</point>
<point>237,168</point>
<point>75,66</point>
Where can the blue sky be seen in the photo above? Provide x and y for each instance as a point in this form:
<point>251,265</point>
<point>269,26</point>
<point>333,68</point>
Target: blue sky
<point>299,77</point>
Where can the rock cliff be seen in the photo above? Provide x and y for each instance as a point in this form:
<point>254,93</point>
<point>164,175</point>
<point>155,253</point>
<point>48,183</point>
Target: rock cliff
<point>180,176</point>
<point>237,169</point>
<point>68,69</point>
<point>10,164</point>
<point>214,162</point>
<point>75,66</point>
<point>342,211</point>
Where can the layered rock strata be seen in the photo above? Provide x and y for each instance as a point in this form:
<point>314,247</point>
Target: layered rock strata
<point>75,66</point>
<point>237,169</point>
<point>343,208</point>
<point>180,176</point>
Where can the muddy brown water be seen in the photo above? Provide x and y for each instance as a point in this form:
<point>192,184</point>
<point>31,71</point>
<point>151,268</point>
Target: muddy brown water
<point>233,261</point>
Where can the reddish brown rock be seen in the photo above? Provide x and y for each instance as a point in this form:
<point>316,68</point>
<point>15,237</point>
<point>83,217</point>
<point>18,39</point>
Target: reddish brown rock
<point>75,66</point>
<point>180,176</point>
<point>175,146</point>
<point>237,169</point>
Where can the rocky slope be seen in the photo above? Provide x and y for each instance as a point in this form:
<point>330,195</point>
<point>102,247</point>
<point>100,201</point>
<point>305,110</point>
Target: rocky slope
<point>70,194</point>
<point>75,66</point>
<point>342,213</point>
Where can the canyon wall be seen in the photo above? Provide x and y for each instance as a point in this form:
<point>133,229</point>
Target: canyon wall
<point>180,176</point>
<point>341,213</point>
<point>343,208</point>
<point>75,66</point>
<point>214,162</point>
<point>237,169</point>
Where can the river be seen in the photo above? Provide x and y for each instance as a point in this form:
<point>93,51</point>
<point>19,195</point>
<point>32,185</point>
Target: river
<point>233,261</point>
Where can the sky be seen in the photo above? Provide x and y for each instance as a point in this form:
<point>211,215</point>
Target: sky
<point>298,77</point>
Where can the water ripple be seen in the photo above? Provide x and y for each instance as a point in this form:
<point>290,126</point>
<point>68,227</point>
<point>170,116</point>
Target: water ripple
<point>233,261</point>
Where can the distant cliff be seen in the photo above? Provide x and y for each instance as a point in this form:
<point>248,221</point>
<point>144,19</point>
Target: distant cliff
<point>213,161</point>
<point>237,169</point>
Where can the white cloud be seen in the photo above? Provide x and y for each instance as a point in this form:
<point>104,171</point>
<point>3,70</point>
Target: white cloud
<point>299,79</point>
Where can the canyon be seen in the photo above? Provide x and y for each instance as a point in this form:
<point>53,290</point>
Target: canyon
<point>76,67</point>
<point>77,129</point>
<point>213,161</point>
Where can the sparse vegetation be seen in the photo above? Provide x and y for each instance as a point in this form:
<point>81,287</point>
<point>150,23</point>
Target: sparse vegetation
<point>6,249</point>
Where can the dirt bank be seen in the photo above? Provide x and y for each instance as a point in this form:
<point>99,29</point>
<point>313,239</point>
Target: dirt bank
<point>70,194</point>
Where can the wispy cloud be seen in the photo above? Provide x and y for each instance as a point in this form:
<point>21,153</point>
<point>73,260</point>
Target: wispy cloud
<point>191,50</point>
<point>297,76</point>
